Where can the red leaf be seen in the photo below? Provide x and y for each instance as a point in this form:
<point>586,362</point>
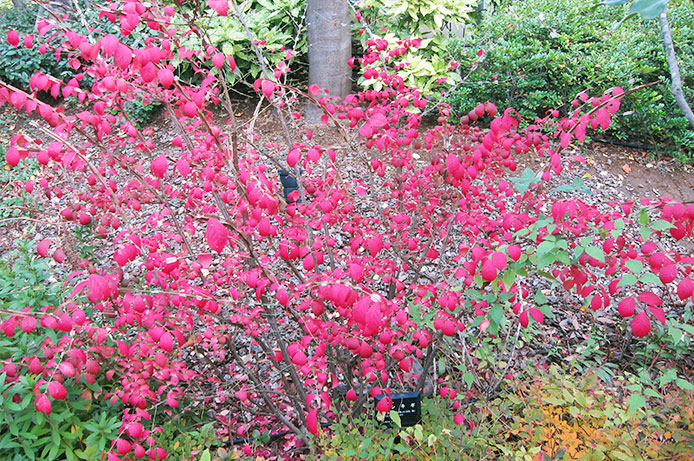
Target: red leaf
<point>12,156</point>
<point>28,324</point>
<point>524,319</point>
<point>658,313</point>
<point>268,88</point>
<point>42,247</point>
<point>641,325</point>
<point>685,288</point>
<point>668,273</point>
<point>537,315</point>
<point>384,405</point>
<point>312,421</point>
<point>650,298</point>
<point>123,446</point>
<point>57,390</point>
<point>13,38</point>
<point>43,404</point>
<point>626,307</point>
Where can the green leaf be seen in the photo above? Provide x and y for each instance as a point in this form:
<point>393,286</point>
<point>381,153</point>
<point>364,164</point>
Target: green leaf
<point>395,417</point>
<point>645,233</point>
<point>509,278</point>
<point>636,402</point>
<point>643,217</point>
<point>540,297</point>
<point>469,379</point>
<point>669,376</point>
<point>627,280</point>
<point>651,392</point>
<point>675,333</point>
<point>596,253</point>
<point>661,224</point>
<point>684,384</point>
<point>525,181</point>
<point>496,314</point>
<point>634,265</point>
<point>650,277</point>
<point>648,9</point>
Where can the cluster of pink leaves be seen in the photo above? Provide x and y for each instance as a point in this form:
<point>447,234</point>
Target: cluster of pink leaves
<point>276,304</point>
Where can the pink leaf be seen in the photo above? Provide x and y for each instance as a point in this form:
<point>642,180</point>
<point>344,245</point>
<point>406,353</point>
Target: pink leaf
<point>216,235</point>
<point>166,341</point>
<point>293,157</point>
<point>565,139</point>
<point>166,77</point>
<point>268,88</point>
<point>220,6</point>
<point>378,120</point>
<point>499,260</point>
<point>12,156</point>
<point>123,56</point>
<point>159,166</point>
<point>488,271</point>
<point>314,90</point>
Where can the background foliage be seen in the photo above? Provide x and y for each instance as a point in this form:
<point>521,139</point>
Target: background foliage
<point>541,53</point>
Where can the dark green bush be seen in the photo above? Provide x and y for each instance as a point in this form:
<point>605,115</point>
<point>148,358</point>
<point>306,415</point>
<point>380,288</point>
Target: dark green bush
<point>18,64</point>
<point>541,53</point>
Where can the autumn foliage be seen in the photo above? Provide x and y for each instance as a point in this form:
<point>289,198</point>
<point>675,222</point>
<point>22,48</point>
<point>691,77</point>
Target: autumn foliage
<point>218,291</point>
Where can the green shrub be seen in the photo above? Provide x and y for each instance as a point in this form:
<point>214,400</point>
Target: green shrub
<point>18,64</point>
<point>277,24</point>
<point>81,425</point>
<point>541,53</point>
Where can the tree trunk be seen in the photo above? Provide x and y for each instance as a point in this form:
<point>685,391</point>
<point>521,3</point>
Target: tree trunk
<point>676,79</point>
<point>329,50</point>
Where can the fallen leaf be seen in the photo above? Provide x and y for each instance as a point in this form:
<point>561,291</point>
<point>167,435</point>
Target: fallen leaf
<point>626,168</point>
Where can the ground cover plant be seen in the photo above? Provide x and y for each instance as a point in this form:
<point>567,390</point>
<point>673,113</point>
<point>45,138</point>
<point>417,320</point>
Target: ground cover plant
<point>402,248</point>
